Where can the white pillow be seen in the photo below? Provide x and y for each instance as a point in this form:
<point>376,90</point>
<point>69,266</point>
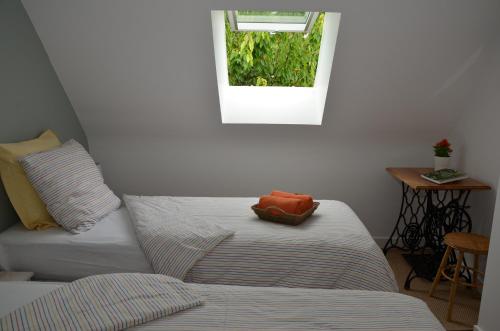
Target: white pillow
<point>71,186</point>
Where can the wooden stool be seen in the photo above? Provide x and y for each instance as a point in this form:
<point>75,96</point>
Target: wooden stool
<point>464,243</point>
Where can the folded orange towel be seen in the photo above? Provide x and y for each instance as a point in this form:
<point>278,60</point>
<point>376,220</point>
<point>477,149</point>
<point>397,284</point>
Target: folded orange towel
<point>288,205</point>
<point>306,198</point>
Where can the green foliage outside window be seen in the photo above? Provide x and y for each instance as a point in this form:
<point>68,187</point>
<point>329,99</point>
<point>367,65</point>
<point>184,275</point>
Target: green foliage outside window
<point>278,59</point>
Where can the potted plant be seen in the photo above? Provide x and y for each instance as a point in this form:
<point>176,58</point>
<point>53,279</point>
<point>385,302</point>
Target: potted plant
<point>442,151</point>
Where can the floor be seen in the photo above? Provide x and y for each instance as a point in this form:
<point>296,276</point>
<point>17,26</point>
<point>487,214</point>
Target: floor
<point>466,309</point>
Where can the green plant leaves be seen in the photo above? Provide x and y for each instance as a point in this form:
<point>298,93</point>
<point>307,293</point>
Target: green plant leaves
<point>261,81</point>
<point>279,59</point>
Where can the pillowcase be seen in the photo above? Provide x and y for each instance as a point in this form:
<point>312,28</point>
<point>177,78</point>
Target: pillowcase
<point>30,209</point>
<point>71,186</point>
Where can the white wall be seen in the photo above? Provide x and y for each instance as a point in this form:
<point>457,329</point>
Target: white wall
<point>488,315</point>
<point>478,134</point>
<point>141,76</point>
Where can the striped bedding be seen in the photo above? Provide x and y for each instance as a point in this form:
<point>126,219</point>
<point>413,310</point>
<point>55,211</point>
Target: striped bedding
<point>105,302</point>
<point>332,249</point>
<point>172,243</point>
<point>249,308</point>
<point>253,308</point>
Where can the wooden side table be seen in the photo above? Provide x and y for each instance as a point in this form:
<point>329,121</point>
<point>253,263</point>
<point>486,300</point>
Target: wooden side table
<point>428,212</point>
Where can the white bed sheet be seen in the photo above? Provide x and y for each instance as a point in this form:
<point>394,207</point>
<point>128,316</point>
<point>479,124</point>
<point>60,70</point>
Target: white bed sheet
<point>110,247</point>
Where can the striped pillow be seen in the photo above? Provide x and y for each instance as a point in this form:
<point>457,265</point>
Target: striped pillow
<point>71,186</point>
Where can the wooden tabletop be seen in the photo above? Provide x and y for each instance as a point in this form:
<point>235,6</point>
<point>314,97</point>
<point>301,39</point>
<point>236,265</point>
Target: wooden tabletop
<point>412,178</point>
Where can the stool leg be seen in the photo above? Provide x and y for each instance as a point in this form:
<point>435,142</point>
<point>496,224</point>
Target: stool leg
<point>474,272</point>
<point>454,284</point>
<point>444,262</point>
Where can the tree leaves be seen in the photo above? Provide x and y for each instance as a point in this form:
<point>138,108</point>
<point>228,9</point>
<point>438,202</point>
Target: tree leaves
<point>261,81</point>
<point>279,59</point>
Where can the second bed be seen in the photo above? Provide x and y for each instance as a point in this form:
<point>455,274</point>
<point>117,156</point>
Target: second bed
<point>257,308</point>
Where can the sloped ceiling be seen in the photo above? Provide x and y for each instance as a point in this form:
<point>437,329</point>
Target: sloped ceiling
<point>141,77</point>
<point>148,65</point>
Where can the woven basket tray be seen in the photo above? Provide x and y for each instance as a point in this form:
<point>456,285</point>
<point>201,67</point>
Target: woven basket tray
<point>275,214</point>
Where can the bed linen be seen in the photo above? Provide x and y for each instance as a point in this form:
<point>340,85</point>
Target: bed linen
<point>332,249</point>
<point>55,254</point>
<point>103,302</point>
<point>253,308</point>
<point>172,243</point>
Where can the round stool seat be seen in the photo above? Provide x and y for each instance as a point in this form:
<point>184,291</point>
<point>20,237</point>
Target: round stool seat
<point>468,242</point>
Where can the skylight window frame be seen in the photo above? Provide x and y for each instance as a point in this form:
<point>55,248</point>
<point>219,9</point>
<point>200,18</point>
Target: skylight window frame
<point>274,104</point>
<point>271,27</point>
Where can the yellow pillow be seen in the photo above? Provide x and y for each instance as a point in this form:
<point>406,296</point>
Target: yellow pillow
<point>29,207</point>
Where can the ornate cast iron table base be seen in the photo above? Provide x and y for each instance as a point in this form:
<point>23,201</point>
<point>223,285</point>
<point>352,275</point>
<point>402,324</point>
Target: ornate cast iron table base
<point>425,216</point>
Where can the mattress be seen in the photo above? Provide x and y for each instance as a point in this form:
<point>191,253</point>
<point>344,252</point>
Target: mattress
<point>54,254</point>
<point>254,308</point>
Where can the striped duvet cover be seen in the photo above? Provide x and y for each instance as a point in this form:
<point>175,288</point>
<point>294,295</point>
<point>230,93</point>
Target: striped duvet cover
<point>266,308</point>
<point>332,249</point>
<point>171,242</point>
<point>104,302</point>
<point>247,308</point>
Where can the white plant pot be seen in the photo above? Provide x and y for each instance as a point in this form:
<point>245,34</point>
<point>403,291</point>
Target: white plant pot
<point>441,162</point>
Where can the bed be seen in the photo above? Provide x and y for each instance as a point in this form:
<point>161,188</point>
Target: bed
<point>55,254</point>
<point>254,308</point>
<point>332,249</point>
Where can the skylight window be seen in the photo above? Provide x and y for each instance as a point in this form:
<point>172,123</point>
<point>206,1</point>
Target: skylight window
<point>273,67</point>
<point>271,21</point>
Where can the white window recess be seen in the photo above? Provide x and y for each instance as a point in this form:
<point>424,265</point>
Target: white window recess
<point>274,104</point>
